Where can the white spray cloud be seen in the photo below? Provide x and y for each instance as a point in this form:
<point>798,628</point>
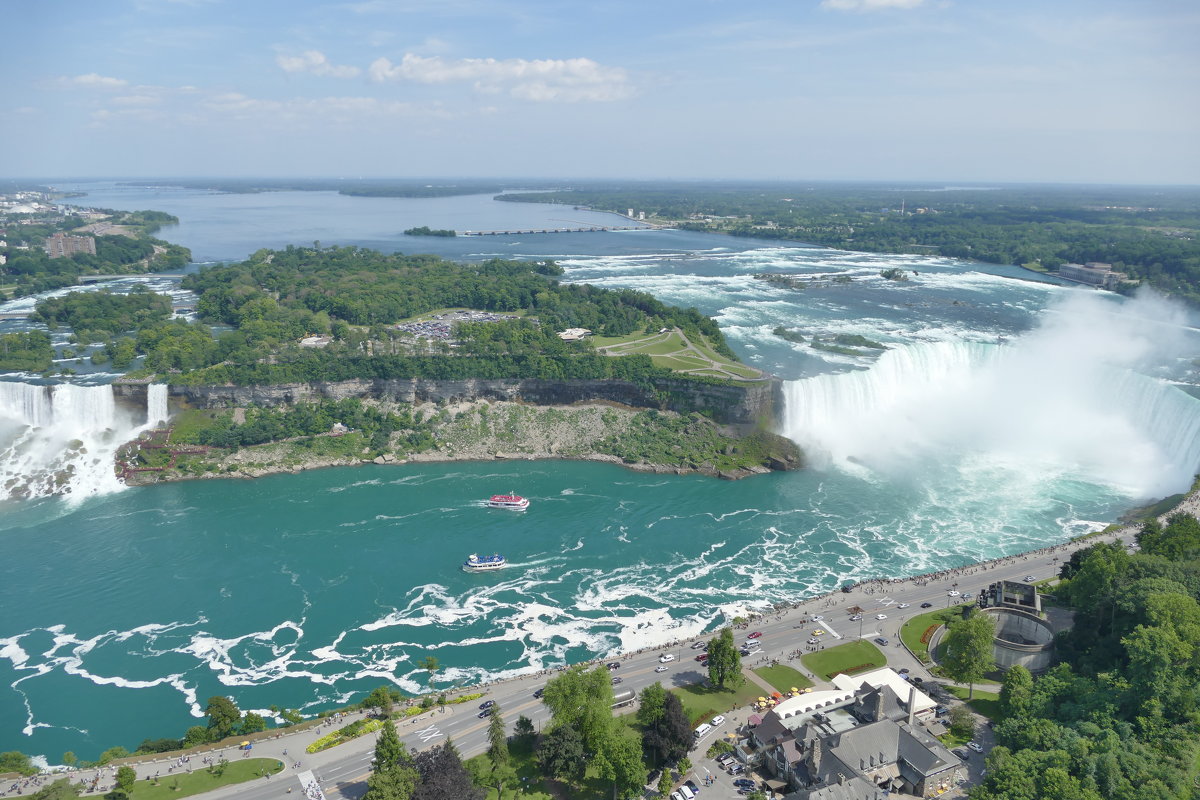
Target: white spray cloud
<point>1070,399</point>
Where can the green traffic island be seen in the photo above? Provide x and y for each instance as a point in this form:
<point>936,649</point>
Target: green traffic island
<point>918,631</point>
<point>223,773</point>
<point>783,677</point>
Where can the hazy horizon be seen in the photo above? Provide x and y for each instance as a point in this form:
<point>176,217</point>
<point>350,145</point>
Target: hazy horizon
<point>1078,92</point>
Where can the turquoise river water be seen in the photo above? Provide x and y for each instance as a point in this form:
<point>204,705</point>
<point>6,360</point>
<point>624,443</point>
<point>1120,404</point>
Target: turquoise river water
<point>1007,414</point>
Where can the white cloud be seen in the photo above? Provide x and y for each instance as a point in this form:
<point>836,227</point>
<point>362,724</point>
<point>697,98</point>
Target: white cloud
<point>93,81</point>
<point>565,80</point>
<point>869,5</point>
<point>314,61</point>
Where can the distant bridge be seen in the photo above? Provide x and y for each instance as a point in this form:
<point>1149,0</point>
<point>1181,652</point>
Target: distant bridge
<point>27,314</point>
<point>586,229</point>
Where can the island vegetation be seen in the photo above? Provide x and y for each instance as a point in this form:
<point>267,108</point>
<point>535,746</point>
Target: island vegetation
<point>425,230</point>
<point>1150,233</point>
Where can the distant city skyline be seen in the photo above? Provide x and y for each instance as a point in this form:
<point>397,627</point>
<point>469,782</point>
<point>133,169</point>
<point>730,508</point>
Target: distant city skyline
<point>1102,91</point>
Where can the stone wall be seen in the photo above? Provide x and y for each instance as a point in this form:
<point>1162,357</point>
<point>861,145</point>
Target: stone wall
<point>747,404</point>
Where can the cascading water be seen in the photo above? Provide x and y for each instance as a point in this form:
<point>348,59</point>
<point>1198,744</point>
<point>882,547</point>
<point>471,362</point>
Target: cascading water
<point>1065,402</point>
<point>156,404</point>
<point>62,439</point>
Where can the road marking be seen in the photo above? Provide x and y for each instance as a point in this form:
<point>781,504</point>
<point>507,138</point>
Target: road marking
<point>429,734</point>
<point>310,786</point>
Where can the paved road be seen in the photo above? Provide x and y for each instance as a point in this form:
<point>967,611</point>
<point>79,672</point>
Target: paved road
<point>341,772</point>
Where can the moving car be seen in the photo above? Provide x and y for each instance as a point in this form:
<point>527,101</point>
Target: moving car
<point>487,704</point>
<point>881,616</point>
<point>953,593</point>
<point>487,712</point>
<point>926,605</point>
<point>881,641</point>
<point>1029,579</point>
<point>745,651</point>
<point>698,645</point>
<point>616,680</point>
<point>539,692</point>
<point>813,640</point>
<point>661,668</point>
<point>819,632</point>
<point>902,605</point>
<point>665,657</point>
<point>855,617</point>
<point>817,617</point>
<point>755,635</point>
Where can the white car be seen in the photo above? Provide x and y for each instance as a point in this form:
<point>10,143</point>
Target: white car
<point>665,657</point>
<point>817,617</point>
<point>902,605</point>
<point>698,645</point>
<point>978,748</point>
<point>1030,579</point>
<point>855,617</point>
<point>952,593</point>
<point>717,720</point>
<point>881,616</point>
<point>661,668</point>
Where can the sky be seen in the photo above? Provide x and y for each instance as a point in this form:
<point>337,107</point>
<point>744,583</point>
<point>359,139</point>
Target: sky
<point>1081,91</point>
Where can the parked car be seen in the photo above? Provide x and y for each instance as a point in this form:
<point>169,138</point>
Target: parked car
<point>926,605</point>
<point>613,664</point>
<point>665,657</point>
<point>692,785</point>
<point>717,720</point>
<point>746,782</point>
<point>879,640</point>
<point>737,769</point>
<point>962,754</point>
<point>661,668</point>
<point>976,746</point>
<point>917,679</point>
<point>941,711</point>
<point>702,657</point>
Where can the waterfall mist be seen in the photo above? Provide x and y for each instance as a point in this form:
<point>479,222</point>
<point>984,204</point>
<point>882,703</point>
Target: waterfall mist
<point>1070,400</point>
<point>63,439</point>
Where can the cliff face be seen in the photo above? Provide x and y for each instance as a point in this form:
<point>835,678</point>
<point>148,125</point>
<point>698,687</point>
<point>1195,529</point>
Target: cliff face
<point>739,404</point>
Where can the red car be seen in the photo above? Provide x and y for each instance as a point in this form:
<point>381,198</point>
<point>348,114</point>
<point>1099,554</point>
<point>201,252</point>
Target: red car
<point>755,635</point>
<point>702,657</point>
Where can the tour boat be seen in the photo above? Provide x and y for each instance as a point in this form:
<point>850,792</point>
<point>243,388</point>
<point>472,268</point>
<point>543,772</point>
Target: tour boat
<point>477,564</point>
<point>513,502</point>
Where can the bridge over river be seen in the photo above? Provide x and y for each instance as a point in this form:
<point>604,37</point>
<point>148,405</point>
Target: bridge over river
<point>585,229</point>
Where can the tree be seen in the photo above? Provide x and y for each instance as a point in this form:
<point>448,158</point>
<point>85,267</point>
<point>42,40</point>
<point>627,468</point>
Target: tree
<point>15,761</point>
<point>112,753</point>
<point>962,721</point>
<point>1016,693</point>
<point>126,778</point>
<point>969,649</point>
<point>430,664</point>
<point>497,740</point>
<point>443,776</point>
<point>197,734</point>
<point>252,723</point>
<point>69,758</point>
<point>583,700</point>
<point>666,783</point>
<point>684,765</point>
<point>223,716</point>
<point>670,736</point>
<point>724,660</point>
<point>393,776</point>
<point>560,754</point>
<point>650,704</point>
<point>382,698</point>
<point>622,764</point>
<point>523,730</point>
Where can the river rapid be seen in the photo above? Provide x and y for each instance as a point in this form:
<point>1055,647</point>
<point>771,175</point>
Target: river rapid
<point>1006,414</point>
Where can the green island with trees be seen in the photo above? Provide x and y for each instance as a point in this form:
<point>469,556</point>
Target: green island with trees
<point>425,230</point>
<point>1151,234</point>
<point>323,315</point>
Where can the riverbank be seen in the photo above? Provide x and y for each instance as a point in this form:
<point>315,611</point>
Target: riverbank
<point>644,441</point>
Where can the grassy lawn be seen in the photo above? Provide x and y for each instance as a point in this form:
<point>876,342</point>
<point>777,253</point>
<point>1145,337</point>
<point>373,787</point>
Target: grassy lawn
<point>199,781</point>
<point>912,631</point>
<point>189,422</point>
<point>701,702</point>
<point>783,677</point>
<point>845,657</point>
<point>985,702</point>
